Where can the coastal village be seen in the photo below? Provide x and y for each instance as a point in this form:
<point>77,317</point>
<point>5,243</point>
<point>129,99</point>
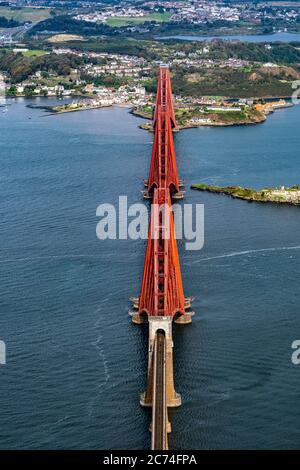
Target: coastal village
<point>136,69</point>
<point>192,111</point>
<point>141,17</point>
<point>90,78</point>
<point>194,12</point>
<point>213,86</point>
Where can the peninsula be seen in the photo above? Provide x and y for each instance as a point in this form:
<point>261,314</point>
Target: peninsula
<point>281,195</point>
<point>187,117</point>
<point>218,113</point>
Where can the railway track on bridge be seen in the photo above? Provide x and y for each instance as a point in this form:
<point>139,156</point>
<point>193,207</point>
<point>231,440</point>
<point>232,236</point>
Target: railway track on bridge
<point>159,407</point>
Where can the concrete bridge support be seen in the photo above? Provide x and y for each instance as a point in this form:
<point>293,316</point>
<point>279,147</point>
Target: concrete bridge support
<point>173,399</point>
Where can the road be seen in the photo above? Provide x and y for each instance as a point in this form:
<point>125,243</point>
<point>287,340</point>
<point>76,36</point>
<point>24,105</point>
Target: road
<point>8,35</point>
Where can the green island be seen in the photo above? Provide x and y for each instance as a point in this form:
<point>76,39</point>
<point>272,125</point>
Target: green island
<point>195,116</point>
<point>188,115</point>
<point>290,195</point>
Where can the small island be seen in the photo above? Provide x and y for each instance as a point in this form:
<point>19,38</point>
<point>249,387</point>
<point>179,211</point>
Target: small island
<point>281,195</point>
<point>221,113</point>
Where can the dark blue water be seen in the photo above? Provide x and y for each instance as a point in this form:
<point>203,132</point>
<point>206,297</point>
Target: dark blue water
<point>282,37</point>
<point>75,363</point>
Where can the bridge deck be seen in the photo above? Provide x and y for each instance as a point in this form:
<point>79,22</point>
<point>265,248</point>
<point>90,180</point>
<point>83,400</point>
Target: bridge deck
<point>159,409</point>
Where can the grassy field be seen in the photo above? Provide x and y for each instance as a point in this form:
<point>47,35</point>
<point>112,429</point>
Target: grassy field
<point>25,14</point>
<point>35,53</point>
<point>125,21</point>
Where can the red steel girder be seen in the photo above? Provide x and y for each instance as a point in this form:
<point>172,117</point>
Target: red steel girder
<point>164,95</point>
<point>162,291</point>
<point>163,167</point>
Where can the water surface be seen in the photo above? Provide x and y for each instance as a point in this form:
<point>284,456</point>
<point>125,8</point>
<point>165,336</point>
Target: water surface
<point>75,363</point>
<point>281,37</point>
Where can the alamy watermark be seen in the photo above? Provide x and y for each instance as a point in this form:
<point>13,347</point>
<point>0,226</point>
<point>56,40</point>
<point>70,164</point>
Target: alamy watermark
<point>2,91</point>
<point>2,353</point>
<point>296,354</point>
<point>133,222</point>
<point>296,93</point>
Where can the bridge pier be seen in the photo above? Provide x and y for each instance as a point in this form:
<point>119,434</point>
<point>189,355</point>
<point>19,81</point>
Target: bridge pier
<point>173,399</point>
<point>140,319</point>
<point>184,319</point>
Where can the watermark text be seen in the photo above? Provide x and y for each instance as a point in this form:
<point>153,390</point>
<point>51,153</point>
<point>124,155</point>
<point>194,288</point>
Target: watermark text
<point>2,353</point>
<point>296,354</point>
<point>133,222</point>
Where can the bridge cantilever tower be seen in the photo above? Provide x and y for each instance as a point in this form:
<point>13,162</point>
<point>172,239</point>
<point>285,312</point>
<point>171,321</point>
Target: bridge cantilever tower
<point>164,95</point>
<point>161,297</point>
<point>163,168</point>
<point>162,291</point>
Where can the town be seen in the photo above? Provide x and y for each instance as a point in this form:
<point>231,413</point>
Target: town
<point>214,83</point>
<point>194,12</point>
<point>18,17</point>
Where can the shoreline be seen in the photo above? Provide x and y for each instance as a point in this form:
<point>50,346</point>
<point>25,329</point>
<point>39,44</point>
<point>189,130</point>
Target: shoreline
<point>88,108</point>
<point>252,120</point>
<point>220,34</point>
<point>287,196</point>
<point>52,112</point>
<point>73,110</point>
<point>148,126</point>
<point>256,117</point>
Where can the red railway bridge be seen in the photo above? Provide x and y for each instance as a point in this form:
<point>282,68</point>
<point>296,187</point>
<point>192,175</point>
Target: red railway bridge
<point>161,300</point>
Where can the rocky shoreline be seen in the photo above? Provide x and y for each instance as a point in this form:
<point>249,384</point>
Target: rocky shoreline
<point>281,195</point>
<point>228,118</point>
<point>218,116</point>
<point>190,124</point>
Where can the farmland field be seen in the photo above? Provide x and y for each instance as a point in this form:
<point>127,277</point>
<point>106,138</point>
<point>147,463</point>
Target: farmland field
<point>65,38</point>
<point>35,53</point>
<point>25,14</point>
<point>118,22</point>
